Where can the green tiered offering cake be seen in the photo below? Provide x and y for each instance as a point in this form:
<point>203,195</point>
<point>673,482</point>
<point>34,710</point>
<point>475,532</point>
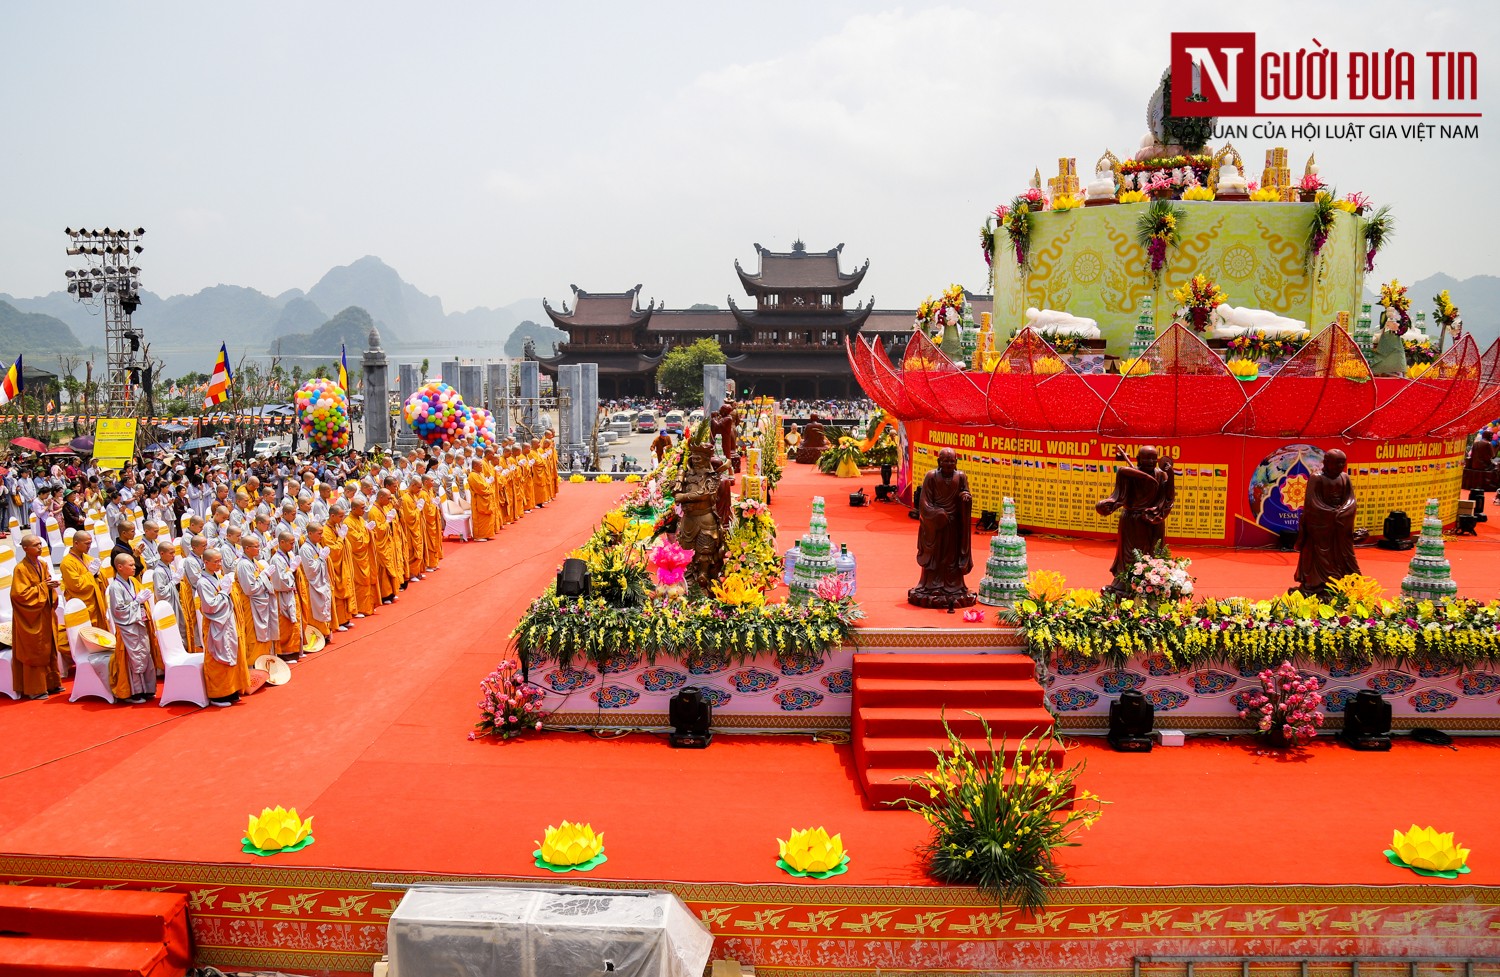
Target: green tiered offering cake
<point>1004,580</point>
<point>1429,577</point>
<point>968,334</point>
<point>1363,332</point>
<point>1145,328</point>
<point>814,554</point>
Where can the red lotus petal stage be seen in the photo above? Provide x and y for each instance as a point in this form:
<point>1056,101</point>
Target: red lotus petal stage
<point>1325,390</point>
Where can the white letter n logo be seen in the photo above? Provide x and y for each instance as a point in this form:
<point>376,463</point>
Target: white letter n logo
<point>1226,89</point>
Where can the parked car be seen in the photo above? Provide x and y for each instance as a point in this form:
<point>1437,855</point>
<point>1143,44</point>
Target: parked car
<point>645,422</point>
<point>266,447</point>
<point>673,422</point>
<point>621,422</point>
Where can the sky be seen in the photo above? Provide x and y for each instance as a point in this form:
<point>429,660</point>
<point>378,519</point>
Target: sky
<point>492,152</point>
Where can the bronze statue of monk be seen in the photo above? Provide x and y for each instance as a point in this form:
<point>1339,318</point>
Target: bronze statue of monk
<point>943,539</point>
<point>1325,535</point>
<point>1145,492</point>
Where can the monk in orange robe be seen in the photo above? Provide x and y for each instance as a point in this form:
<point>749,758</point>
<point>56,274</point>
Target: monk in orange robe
<point>361,540</point>
<point>481,502</point>
<point>388,565</point>
<point>33,603</point>
<point>415,540</point>
<point>432,522</point>
<point>340,565</point>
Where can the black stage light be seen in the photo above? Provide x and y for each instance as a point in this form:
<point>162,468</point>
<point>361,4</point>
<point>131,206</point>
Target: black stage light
<point>1286,542</point>
<point>1131,719</point>
<point>989,521</point>
<point>885,493</point>
<point>573,579</point>
<point>858,499</point>
<point>690,716</point>
<point>1367,722</point>
<point>916,503</point>
<point>1396,532</point>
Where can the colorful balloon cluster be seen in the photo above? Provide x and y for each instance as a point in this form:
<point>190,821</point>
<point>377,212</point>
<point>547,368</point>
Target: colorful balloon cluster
<point>484,426</point>
<point>437,414</point>
<point>323,415</point>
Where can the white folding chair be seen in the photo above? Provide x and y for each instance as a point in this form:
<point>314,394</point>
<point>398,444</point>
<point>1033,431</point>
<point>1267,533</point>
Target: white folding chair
<point>7,679</point>
<point>457,520</point>
<point>184,678</point>
<point>54,541</point>
<point>91,675</point>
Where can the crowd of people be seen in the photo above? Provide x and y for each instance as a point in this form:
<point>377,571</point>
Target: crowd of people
<point>254,559</point>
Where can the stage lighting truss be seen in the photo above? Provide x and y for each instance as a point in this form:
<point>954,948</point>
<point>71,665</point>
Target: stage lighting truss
<point>109,281</point>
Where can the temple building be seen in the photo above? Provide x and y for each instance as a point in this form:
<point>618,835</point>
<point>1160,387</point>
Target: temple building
<point>789,344</point>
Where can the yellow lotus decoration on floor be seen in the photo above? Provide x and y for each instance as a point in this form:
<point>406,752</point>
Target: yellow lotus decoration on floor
<point>1428,852</point>
<point>277,829</point>
<point>813,853</point>
<point>570,847</point>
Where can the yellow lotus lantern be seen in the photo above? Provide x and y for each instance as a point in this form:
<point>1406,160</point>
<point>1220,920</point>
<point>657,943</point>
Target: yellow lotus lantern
<point>570,847</point>
<point>277,829</point>
<point>1428,852</point>
<point>813,853</point>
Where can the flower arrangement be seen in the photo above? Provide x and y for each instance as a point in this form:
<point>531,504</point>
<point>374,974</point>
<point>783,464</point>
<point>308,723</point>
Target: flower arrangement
<point>1064,343</point>
<point>735,591</point>
<point>1199,163</point>
<point>946,310</point>
<point>1259,346</point>
<point>1288,707</point>
<point>1355,588</point>
<point>770,451</point>
<point>1393,296</point>
<point>1130,196</point>
<point>1321,226</point>
<point>1047,365</point>
<point>751,546</point>
<point>670,562</point>
<point>1419,352</point>
<point>1262,633</point>
<point>987,240</point>
<point>1265,195</point>
<point>1244,369</point>
<point>1157,230</point>
<point>886,450</point>
<point>1159,576</point>
<point>1353,203</point>
<point>1310,183</point>
<point>1046,587</point>
<point>1447,312</point>
<point>1352,369</point>
<point>1067,201</point>
<point>1199,295</point>
<point>589,629</point>
<point>998,817</point>
<point>1197,193</point>
<point>508,706</point>
<point>1017,221</point>
<point>1137,366</point>
<point>845,449</point>
<point>1378,231</point>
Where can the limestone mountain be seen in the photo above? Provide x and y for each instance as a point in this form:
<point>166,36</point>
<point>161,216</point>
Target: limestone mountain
<point>38,336</point>
<point>350,327</point>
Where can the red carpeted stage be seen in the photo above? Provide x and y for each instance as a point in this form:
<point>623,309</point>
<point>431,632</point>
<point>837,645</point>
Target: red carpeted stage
<point>1213,848</point>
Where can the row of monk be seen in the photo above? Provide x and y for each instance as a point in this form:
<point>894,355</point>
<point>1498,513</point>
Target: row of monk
<point>243,587</point>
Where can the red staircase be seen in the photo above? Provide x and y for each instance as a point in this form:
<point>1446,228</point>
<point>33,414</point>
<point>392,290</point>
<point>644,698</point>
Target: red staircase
<point>47,931</point>
<point>900,702</point>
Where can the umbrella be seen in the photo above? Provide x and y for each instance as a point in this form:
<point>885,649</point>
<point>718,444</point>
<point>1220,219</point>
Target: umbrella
<point>197,443</point>
<point>28,444</point>
<point>65,450</point>
<point>175,428</point>
<point>83,445</point>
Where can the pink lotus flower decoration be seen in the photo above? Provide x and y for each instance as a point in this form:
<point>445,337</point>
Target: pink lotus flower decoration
<point>834,587</point>
<point>974,615</point>
<point>670,561</point>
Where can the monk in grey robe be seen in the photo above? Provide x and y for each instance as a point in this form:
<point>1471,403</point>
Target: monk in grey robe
<point>132,670</point>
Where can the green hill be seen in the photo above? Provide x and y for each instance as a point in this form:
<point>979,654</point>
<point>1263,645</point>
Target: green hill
<point>33,334</point>
<point>350,327</point>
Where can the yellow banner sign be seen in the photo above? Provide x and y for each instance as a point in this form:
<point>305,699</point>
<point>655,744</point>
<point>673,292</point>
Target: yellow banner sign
<point>114,441</point>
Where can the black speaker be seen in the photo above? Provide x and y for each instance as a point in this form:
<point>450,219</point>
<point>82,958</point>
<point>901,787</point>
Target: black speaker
<point>885,493</point>
<point>989,521</point>
<point>1367,722</point>
<point>1131,719</point>
<point>691,716</point>
<point>1396,532</point>
<point>573,579</point>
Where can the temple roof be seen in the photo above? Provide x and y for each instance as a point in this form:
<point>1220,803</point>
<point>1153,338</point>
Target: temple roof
<point>800,269</point>
<point>887,322</point>
<point>834,362</point>
<point>600,309</point>
<point>692,320</point>
<point>609,363</point>
<point>847,319</point>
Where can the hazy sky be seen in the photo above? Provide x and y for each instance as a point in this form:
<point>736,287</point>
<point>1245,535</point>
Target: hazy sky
<point>494,151</point>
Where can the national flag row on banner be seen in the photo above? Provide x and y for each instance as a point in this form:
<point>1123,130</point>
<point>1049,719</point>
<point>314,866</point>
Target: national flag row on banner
<point>209,420</point>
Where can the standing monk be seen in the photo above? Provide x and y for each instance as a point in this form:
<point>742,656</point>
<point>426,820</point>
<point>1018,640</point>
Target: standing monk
<point>255,608</point>
<point>1145,492</point>
<point>412,536</point>
<point>943,539</point>
<point>318,598</point>
<point>1325,534</point>
<point>225,672</point>
<point>33,607</point>
<point>388,566</point>
<point>283,577</point>
<point>432,522</point>
<point>340,565</point>
<point>362,559</point>
<point>132,669</point>
<point>481,502</point>
<point>78,580</point>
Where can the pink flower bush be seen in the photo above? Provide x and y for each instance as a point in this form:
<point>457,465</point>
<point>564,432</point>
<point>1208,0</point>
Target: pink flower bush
<point>508,706</point>
<point>1287,703</point>
<point>670,562</point>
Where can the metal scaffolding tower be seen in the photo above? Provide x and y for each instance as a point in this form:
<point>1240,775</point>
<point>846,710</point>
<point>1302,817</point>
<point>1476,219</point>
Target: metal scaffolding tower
<point>110,278</point>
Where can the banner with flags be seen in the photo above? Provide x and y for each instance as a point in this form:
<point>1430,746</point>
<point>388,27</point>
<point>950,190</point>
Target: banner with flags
<point>10,387</point>
<point>218,384</point>
<point>343,368</point>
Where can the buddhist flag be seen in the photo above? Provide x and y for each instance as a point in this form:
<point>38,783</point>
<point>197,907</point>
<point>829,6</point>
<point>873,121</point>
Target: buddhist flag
<point>218,384</point>
<point>343,369</point>
<point>10,387</point>
<point>51,405</point>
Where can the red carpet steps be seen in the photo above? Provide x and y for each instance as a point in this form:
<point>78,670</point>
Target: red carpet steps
<point>900,702</point>
<point>47,931</point>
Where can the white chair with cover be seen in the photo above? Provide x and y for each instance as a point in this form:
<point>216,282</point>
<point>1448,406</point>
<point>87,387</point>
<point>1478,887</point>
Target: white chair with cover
<point>457,520</point>
<point>184,678</point>
<point>55,549</point>
<point>7,678</point>
<point>91,661</point>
